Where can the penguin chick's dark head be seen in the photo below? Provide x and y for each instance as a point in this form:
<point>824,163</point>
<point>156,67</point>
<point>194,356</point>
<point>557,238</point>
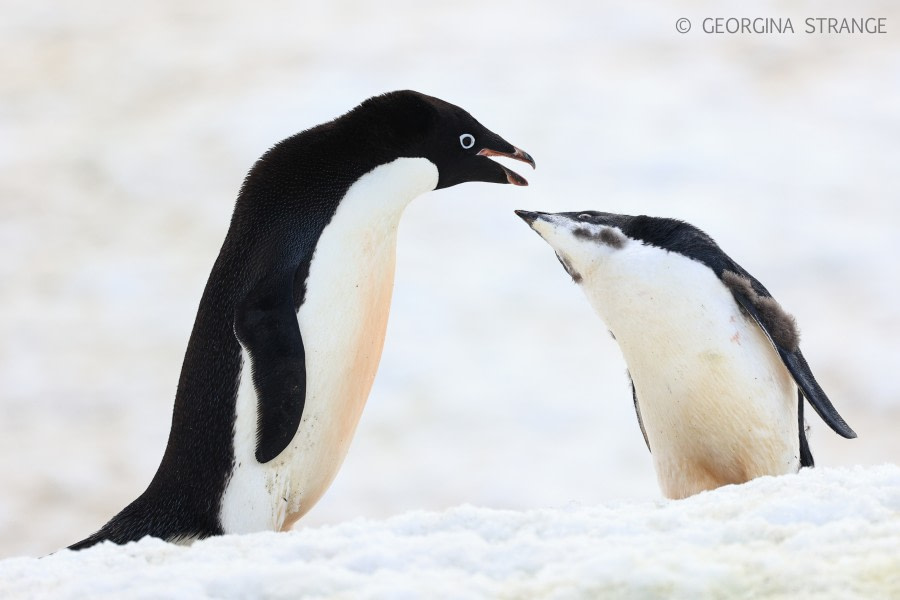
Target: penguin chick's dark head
<point>581,240</point>
<point>415,125</point>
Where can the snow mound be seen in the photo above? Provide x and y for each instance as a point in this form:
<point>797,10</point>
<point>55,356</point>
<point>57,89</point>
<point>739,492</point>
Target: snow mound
<point>825,533</point>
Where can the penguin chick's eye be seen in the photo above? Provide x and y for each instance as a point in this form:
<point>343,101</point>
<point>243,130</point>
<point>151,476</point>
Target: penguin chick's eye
<point>467,140</point>
<point>584,217</point>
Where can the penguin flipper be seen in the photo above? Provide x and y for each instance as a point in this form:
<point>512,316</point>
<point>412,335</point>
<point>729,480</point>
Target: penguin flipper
<point>810,388</point>
<point>637,411</point>
<point>806,457</point>
<point>779,327</point>
<point>266,325</point>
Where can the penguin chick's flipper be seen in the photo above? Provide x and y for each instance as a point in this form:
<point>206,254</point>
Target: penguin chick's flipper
<point>781,331</point>
<point>806,457</point>
<point>803,376</point>
<point>637,410</point>
<point>266,325</point>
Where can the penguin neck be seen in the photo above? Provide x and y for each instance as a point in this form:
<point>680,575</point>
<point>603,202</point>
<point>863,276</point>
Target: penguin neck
<point>382,194</point>
<point>644,291</point>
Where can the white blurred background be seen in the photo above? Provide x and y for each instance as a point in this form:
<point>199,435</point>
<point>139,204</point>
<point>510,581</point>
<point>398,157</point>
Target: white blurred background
<point>126,129</point>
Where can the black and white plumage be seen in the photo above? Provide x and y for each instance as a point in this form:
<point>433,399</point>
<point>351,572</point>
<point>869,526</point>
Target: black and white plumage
<point>718,378</point>
<point>290,328</point>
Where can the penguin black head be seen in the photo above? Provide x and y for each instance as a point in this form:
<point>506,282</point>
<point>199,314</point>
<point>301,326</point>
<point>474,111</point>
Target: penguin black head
<point>416,125</point>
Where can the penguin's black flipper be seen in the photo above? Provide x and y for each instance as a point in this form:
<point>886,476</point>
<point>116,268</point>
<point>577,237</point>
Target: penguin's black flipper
<point>266,325</point>
<point>781,330</point>
<point>637,410</point>
<point>799,369</point>
<point>806,457</point>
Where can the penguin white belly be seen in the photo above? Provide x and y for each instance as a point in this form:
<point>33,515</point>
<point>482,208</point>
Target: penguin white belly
<point>717,404</point>
<point>342,322</point>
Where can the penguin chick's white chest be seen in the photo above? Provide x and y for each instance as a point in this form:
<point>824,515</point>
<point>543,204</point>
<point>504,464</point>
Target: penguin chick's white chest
<point>342,321</point>
<point>717,403</point>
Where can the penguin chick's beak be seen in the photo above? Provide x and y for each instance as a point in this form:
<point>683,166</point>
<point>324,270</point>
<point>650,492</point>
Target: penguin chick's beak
<point>528,216</point>
<point>539,222</point>
<point>517,154</point>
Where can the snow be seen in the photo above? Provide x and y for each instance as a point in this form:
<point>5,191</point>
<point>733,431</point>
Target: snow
<point>125,132</point>
<point>825,533</point>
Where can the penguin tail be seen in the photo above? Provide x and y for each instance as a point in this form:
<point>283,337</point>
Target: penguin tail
<point>142,518</point>
<point>129,525</point>
<point>88,542</point>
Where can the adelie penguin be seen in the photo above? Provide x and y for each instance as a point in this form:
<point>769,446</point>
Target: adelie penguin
<point>290,328</point>
<point>718,379</point>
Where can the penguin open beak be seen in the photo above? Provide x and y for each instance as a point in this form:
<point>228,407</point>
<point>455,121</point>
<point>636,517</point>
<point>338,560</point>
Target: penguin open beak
<point>517,154</point>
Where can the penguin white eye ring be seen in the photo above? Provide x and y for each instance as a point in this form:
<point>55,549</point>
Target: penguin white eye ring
<point>467,140</point>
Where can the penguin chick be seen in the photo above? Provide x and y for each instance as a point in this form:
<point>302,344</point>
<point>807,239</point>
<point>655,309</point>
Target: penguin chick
<point>717,375</point>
